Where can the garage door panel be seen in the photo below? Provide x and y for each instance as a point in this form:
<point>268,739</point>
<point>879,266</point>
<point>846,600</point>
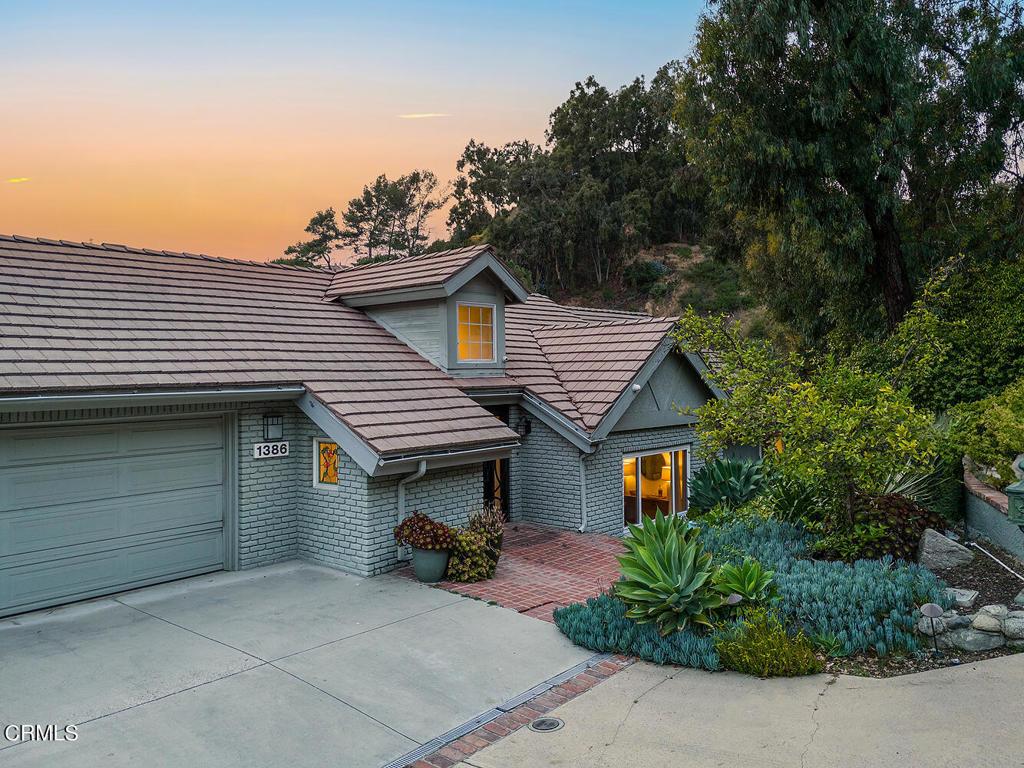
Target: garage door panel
<point>75,483</point>
<point>179,436</point>
<point>34,585</point>
<point>67,525</point>
<point>58,445</point>
<point>159,473</point>
<point>91,509</point>
<point>23,488</point>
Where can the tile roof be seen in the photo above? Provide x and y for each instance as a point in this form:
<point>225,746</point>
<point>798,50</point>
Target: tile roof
<point>85,317</point>
<point>578,359</point>
<point>77,316</point>
<point>423,271</point>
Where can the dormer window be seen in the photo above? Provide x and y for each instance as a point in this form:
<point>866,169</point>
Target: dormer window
<point>476,333</point>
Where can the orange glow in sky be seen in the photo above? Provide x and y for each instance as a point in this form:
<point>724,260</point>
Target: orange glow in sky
<point>222,131</point>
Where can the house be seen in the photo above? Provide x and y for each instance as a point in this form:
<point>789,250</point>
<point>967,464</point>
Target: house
<point>168,414</point>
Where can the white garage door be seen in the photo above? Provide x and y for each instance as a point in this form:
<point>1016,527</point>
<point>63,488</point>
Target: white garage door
<point>90,510</point>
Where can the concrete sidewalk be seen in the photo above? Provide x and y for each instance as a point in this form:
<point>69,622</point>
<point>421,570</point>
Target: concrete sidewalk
<point>660,716</point>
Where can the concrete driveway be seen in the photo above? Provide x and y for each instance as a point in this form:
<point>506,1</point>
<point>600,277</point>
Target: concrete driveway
<point>291,665</point>
<point>664,716</point>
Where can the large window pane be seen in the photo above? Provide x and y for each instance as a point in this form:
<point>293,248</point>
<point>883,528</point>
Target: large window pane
<point>679,481</point>
<point>655,484</point>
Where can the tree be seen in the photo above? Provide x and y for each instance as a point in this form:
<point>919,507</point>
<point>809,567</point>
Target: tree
<point>387,221</point>
<point>844,140</point>
<point>825,423</point>
<point>612,179</point>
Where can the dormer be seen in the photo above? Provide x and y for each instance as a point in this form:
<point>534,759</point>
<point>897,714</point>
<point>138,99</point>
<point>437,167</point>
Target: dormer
<point>448,306</point>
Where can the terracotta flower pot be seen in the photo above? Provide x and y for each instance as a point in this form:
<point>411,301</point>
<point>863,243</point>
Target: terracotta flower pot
<point>429,565</point>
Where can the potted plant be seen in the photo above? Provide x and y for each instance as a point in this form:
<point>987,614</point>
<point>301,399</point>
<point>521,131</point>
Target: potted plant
<point>431,543</point>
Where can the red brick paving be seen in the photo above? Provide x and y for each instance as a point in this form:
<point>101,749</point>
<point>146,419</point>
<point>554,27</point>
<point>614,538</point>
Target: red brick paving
<point>502,726</point>
<point>544,568</point>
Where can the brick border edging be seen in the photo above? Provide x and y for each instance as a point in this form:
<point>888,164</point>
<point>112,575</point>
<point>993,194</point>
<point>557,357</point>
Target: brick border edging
<point>460,748</point>
<point>991,496</point>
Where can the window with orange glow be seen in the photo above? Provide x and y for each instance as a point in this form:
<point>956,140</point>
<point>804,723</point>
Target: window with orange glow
<point>654,482</point>
<point>476,333</point>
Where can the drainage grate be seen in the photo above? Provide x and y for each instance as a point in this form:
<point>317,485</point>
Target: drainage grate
<point>546,724</point>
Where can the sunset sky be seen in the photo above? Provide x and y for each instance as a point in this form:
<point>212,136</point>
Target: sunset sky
<point>221,127</point>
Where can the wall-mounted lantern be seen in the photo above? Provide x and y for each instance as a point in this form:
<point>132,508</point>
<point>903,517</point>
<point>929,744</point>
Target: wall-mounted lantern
<point>273,426</point>
<point>524,427</point>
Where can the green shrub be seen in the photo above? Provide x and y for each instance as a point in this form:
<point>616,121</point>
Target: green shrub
<point>471,559</point>
<point>728,483</point>
<point>991,432</point>
<point>792,499</point>
<point>489,522</point>
<point>747,579</point>
<point>666,575</point>
<point>759,644</point>
<point>642,274</point>
<point>601,625</point>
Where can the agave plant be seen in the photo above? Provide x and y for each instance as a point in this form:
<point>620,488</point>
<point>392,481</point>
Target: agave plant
<point>749,580</point>
<point>725,482</point>
<point>667,575</point>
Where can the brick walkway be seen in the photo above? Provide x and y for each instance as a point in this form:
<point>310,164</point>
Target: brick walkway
<point>544,568</point>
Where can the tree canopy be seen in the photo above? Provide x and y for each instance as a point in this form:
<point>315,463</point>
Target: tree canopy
<point>388,220</point>
<point>612,178</point>
<point>846,142</point>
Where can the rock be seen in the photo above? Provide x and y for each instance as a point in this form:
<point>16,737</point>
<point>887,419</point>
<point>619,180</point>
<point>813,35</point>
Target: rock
<point>986,622</point>
<point>924,626</point>
<point>995,610</point>
<point>936,552</point>
<point>963,598</point>
<point>958,622</point>
<point>1013,626</point>
<point>1019,599</point>
<point>1016,644</point>
<point>972,640</point>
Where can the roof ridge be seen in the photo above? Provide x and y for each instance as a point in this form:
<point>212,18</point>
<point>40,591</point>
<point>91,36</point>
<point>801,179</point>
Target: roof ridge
<point>418,256</point>
<point>118,248</point>
<point>605,323</point>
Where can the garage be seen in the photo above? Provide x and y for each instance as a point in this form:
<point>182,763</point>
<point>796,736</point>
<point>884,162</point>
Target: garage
<point>87,510</point>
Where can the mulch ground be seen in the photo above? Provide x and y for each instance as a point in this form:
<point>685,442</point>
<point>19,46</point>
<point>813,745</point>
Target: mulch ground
<point>994,583</point>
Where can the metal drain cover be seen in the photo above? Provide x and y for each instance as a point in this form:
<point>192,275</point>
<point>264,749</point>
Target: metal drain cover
<point>546,724</point>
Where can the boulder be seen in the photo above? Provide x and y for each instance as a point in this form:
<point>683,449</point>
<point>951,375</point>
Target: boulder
<point>986,622</point>
<point>937,552</point>
<point>962,598</point>
<point>1013,625</point>
<point>971,640</point>
<point>996,610</point>
<point>958,622</point>
<point>924,626</point>
<point>1019,599</point>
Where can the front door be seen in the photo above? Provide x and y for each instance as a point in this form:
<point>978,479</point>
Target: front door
<point>496,472</point>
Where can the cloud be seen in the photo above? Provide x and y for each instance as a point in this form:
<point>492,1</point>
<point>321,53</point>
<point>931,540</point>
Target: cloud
<point>18,180</point>
<point>423,115</point>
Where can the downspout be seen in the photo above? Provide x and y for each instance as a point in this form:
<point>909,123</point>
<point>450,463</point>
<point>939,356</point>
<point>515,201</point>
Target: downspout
<point>583,495</point>
<point>421,470</point>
